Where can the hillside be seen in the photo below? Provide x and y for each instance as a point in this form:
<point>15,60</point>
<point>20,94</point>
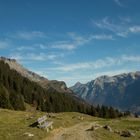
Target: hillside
<point>121,91</point>
<point>14,125</point>
<point>58,86</point>
<point>16,90</point>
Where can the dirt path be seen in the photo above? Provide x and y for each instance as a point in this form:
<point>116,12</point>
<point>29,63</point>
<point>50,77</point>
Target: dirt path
<point>77,132</point>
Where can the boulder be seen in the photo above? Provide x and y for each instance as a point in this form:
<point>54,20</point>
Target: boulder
<point>94,127</point>
<point>127,133</point>
<point>107,127</point>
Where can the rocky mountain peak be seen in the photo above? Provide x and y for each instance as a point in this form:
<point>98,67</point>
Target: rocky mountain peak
<point>7,59</point>
<point>121,91</point>
<point>13,64</point>
<point>78,84</point>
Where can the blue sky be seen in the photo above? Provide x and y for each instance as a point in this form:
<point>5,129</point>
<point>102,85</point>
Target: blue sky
<point>72,40</point>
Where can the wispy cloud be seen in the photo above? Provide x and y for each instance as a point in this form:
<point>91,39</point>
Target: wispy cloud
<point>28,35</point>
<point>98,64</point>
<point>65,45</point>
<point>118,3</point>
<point>105,23</point>
<point>4,44</point>
<point>71,43</point>
<point>120,28</point>
<point>102,37</point>
<point>35,56</point>
<point>134,29</point>
<point>86,71</point>
<point>31,47</point>
<point>25,48</point>
<point>71,73</point>
<point>123,34</point>
<point>77,40</point>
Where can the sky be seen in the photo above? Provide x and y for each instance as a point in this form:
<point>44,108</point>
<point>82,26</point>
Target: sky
<point>72,40</point>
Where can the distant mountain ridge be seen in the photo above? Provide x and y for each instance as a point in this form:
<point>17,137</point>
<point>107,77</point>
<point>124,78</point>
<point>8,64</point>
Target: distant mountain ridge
<point>121,91</point>
<point>59,86</point>
<point>20,88</point>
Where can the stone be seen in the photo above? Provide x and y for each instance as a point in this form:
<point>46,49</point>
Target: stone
<point>107,127</point>
<point>28,134</point>
<point>127,133</point>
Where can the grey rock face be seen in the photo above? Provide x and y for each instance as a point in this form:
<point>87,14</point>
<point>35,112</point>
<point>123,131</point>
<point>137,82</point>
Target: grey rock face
<point>120,91</point>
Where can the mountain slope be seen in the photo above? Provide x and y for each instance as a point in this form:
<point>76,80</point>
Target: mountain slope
<point>58,86</point>
<point>121,91</point>
<point>16,90</point>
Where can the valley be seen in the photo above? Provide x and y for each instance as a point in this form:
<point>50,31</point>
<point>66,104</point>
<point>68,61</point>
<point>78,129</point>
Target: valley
<point>69,69</point>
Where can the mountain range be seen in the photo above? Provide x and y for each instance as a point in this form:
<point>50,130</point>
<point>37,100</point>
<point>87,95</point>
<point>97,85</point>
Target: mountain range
<point>18,85</point>
<point>20,88</point>
<point>120,91</point>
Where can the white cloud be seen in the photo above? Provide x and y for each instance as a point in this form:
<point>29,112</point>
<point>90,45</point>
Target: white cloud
<point>102,37</point>
<point>28,35</point>
<point>41,46</point>
<point>130,58</point>
<point>23,48</point>
<point>65,45</point>
<point>118,3</point>
<point>121,28</point>
<point>76,41</point>
<point>105,23</point>
<point>30,47</point>
<point>99,64</point>
<point>134,29</point>
<point>35,57</point>
<point>4,44</point>
<point>84,71</point>
<point>71,43</point>
<point>16,56</point>
<point>122,34</point>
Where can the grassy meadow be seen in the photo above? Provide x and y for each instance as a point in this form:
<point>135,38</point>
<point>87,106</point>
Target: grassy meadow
<point>14,125</point>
